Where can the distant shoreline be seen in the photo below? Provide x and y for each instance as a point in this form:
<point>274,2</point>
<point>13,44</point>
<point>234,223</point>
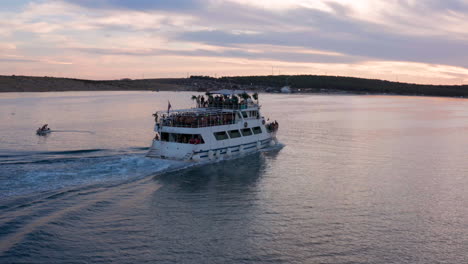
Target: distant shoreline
<point>301,84</point>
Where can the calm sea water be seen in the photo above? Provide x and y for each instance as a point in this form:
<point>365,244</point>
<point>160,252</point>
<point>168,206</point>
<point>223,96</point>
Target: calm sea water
<point>360,179</point>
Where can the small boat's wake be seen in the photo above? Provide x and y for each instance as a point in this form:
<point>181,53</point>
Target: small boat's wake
<point>73,131</point>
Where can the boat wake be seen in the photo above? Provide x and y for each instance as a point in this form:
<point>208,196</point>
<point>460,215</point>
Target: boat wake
<point>27,173</point>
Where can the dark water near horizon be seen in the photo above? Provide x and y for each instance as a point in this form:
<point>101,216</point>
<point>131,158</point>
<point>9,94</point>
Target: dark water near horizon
<point>360,179</point>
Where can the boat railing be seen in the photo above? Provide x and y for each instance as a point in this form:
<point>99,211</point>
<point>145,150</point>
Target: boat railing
<point>197,121</point>
<point>205,115</point>
<point>168,123</point>
<point>233,106</point>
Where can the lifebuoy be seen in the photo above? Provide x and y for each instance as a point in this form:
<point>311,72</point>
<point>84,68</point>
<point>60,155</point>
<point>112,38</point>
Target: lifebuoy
<point>245,124</point>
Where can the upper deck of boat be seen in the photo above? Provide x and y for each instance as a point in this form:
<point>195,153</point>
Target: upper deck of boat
<point>218,110</point>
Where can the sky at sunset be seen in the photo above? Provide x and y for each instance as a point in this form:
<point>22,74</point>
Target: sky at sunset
<point>422,41</point>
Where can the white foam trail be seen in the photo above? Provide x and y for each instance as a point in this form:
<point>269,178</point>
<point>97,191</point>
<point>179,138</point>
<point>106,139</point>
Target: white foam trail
<point>44,177</point>
<point>74,131</point>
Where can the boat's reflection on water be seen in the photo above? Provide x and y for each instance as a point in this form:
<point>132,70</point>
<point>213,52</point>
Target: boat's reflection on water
<point>208,209</point>
<point>236,175</point>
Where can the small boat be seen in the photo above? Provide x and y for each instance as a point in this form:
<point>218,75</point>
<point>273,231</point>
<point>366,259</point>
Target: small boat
<point>44,130</point>
<point>227,124</point>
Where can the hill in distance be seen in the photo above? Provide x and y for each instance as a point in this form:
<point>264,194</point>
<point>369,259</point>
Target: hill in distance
<point>270,83</point>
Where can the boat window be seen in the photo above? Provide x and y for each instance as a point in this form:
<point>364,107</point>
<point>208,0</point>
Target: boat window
<point>221,135</point>
<point>257,130</point>
<point>246,132</point>
<point>234,134</point>
<point>196,139</point>
<point>244,114</point>
<point>182,138</point>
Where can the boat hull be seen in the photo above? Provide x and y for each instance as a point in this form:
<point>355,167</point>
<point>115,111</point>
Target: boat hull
<point>235,151</point>
<point>43,132</point>
<point>175,151</point>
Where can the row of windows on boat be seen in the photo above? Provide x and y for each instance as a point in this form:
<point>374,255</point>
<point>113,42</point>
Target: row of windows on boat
<point>198,139</point>
<point>204,120</point>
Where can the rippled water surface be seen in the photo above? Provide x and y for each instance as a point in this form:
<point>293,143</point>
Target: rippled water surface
<point>360,179</point>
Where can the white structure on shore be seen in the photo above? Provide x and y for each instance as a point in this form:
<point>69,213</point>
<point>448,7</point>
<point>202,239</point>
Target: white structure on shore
<point>226,124</point>
<point>286,89</point>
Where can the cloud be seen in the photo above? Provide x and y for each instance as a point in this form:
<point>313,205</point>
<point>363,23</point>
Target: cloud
<point>7,46</point>
<point>321,30</point>
<point>253,54</point>
<point>438,6</point>
<point>300,35</point>
<point>16,60</point>
<point>24,60</point>
<point>140,5</point>
<point>377,46</point>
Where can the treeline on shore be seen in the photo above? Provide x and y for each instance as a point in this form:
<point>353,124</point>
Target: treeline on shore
<point>49,84</point>
<point>316,83</point>
<point>270,83</point>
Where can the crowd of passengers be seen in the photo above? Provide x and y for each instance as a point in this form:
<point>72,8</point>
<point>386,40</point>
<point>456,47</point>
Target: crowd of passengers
<point>273,126</point>
<point>222,101</point>
<point>184,120</point>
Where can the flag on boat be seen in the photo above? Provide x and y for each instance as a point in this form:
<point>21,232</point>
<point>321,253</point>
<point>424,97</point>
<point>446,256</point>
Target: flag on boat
<point>168,106</point>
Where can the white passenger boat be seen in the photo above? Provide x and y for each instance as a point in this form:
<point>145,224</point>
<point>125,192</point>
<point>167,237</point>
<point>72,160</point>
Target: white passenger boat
<point>224,124</point>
